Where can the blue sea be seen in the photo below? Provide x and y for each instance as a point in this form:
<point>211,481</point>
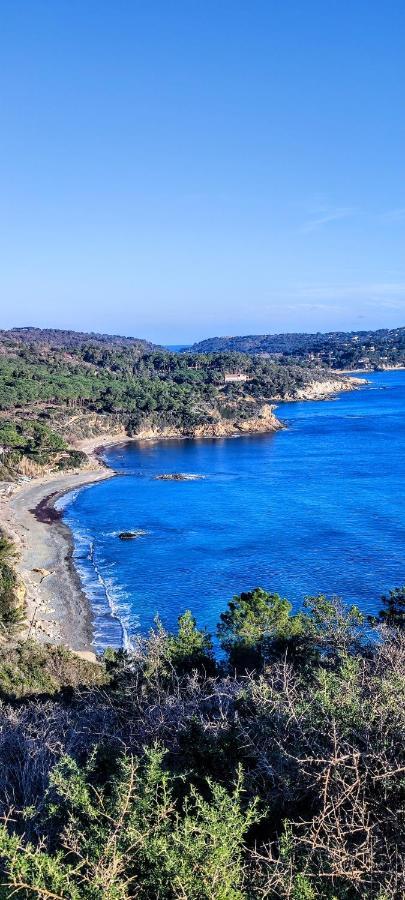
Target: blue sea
<point>318,507</point>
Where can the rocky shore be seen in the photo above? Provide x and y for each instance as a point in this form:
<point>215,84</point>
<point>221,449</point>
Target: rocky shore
<point>322,390</point>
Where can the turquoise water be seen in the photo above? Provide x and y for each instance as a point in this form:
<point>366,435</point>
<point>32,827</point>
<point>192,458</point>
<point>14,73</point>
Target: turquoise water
<point>318,507</point>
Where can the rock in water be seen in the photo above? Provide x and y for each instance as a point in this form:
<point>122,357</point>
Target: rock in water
<point>178,476</point>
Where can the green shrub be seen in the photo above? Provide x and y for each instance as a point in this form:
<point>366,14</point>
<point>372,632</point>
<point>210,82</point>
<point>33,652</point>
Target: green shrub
<point>74,459</point>
<point>28,668</point>
<point>134,838</point>
<point>190,648</point>
<point>11,613</point>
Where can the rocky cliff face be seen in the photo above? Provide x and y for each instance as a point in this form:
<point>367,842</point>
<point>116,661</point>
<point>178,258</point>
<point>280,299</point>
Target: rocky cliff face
<point>321,390</point>
<point>94,430</point>
<point>262,420</point>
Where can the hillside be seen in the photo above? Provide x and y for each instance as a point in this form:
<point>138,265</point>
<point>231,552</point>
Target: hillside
<point>337,349</point>
<point>56,338</point>
<point>52,396</point>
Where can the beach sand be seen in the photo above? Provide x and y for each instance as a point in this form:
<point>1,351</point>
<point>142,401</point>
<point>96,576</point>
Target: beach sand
<point>57,609</point>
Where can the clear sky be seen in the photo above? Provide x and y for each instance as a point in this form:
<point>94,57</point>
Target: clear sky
<point>187,168</point>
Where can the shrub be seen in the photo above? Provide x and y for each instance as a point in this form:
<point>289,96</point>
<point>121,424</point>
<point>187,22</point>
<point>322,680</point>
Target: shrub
<point>11,613</point>
<point>134,838</point>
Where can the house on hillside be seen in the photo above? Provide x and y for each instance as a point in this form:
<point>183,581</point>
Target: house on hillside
<point>235,376</point>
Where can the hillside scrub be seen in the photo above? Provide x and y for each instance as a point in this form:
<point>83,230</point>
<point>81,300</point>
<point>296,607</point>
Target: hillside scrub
<point>11,602</point>
<point>276,771</point>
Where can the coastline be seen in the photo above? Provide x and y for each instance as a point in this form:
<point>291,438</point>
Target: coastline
<point>57,609</point>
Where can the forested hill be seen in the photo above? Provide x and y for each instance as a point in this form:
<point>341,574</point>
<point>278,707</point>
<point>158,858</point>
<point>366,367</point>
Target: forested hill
<point>56,338</point>
<point>57,388</point>
<point>337,349</point>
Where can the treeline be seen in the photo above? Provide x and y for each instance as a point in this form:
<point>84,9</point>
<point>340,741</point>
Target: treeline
<point>54,338</point>
<point>337,349</point>
<point>274,772</point>
<point>181,391</point>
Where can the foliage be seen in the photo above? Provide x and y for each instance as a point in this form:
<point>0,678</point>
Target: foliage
<point>190,648</point>
<point>257,626</point>
<point>167,388</point>
<point>337,349</point>
<point>73,459</point>
<point>135,837</point>
<point>10,607</point>
<point>29,438</point>
<point>393,612</point>
<point>28,668</point>
<point>129,783</point>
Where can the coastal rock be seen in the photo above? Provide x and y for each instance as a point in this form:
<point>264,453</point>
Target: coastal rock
<point>179,476</point>
<point>323,390</point>
<point>262,420</point>
<point>130,535</point>
<point>20,592</point>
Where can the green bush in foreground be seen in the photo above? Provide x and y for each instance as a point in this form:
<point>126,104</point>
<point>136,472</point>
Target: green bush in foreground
<point>167,775</point>
<point>134,838</point>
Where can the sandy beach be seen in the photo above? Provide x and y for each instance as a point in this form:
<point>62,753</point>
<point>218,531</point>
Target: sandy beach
<point>57,609</point>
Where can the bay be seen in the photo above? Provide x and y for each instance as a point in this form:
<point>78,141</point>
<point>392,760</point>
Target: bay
<point>315,508</point>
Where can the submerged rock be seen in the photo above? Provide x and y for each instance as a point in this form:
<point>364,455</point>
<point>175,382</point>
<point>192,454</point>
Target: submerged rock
<point>178,476</point>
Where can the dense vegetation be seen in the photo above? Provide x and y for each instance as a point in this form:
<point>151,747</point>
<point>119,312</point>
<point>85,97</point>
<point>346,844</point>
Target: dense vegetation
<point>124,381</point>
<point>54,338</point>
<point>337,349</point>
<point>276,772</point>
<point>50,392</point>
<point>11,604</point>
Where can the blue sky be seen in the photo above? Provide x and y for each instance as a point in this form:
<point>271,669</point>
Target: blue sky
<point>178,169</point>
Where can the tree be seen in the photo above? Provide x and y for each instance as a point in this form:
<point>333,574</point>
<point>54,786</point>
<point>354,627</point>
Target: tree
<point>393,613</point>
<point>256,627</point>
<point>190,648</point>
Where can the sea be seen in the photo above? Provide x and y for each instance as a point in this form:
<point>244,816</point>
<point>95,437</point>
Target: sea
<point>315,508</point>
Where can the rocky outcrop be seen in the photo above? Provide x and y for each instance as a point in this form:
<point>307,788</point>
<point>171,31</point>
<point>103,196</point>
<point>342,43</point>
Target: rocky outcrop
<point>262,420</point>
<point>179,476</point>
<point>322,390</point>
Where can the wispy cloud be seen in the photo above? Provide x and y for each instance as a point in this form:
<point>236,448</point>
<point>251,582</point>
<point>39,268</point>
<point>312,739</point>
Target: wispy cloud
<point>327,215</point>
<point>367,289</point>
<point>394,215</point>
<point>345,298</point>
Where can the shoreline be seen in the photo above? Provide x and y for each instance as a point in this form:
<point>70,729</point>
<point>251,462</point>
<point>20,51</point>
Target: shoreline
<point>57,609</point>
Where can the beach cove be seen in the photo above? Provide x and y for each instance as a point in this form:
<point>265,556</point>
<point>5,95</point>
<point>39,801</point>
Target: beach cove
<point>266,511</point>
<point>68,604</point>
